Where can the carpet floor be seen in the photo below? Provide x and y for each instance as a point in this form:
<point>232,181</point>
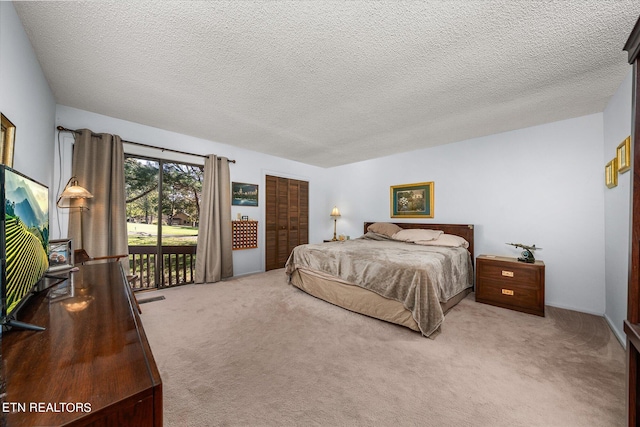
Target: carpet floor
<point>255,351</point>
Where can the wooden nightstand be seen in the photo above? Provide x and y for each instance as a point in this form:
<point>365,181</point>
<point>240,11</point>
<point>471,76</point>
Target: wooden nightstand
<point>509,283</point>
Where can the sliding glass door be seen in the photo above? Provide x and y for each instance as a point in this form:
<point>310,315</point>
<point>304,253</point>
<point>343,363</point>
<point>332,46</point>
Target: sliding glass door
<point>163,211</point>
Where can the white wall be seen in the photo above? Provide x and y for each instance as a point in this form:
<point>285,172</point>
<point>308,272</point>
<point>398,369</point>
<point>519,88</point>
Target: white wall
<point>617,205</point>
<point>541,185</point>
<point>250,167</point>
<point>26,99</point>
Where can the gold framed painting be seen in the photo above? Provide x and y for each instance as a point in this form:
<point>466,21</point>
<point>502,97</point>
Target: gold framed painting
<point>611,173</point>
<point>623,155</point>
<point>8,140</point>
<point>412,200</point>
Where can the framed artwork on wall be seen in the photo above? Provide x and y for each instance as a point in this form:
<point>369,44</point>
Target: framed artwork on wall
<point>412,200</point>
<point>623,155</point>
<point>8,141</point>
<point>244,194</point>
<point>611,173</point>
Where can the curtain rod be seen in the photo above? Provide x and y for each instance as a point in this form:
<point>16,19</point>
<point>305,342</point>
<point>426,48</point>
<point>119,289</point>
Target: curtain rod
<point>63,129</point>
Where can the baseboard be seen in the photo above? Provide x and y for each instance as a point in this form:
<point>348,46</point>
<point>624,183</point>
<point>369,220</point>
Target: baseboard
<point>619,335</point>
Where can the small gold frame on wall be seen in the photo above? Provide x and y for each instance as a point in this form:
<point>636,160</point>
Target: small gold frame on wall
<point>8,140</point>
<point>611,173</point>
<point>412,200</point>
<point>623,155</point>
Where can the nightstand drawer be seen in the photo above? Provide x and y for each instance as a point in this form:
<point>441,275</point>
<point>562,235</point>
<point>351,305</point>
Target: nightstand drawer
<point>509,272</point>
<point>500,293</point>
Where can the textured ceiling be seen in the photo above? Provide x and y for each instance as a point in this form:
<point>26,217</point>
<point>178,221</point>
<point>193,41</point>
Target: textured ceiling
<point>333,82</point>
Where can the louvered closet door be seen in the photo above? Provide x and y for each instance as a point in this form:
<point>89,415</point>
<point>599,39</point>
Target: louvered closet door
<point>287,218</point>
<point>292,213</point>
<point>271,225</point>
<point>283,222</point>
<point>303,213</point>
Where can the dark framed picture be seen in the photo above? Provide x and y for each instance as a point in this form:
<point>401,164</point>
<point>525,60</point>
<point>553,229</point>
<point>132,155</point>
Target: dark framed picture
<point>244,194</point>
<point>412,200</point>
<point>60,255</point>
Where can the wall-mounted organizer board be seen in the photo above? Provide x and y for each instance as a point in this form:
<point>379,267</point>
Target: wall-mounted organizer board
<point>245,234</point>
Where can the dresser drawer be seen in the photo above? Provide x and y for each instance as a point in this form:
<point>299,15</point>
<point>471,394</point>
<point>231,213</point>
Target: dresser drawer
<point>522,298</point>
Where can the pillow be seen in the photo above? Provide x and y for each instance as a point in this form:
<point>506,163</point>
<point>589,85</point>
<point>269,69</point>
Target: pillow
<point>370,235</point>
<point>384,228</point>
<point>416,234</point>
<point>448,240</point>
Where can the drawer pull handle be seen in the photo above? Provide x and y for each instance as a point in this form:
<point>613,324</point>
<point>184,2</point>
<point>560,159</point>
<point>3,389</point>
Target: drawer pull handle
<point>507,292</point>
<point>507,273</point>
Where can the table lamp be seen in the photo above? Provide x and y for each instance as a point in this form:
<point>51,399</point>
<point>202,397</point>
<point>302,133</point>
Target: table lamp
<point>335,213</point>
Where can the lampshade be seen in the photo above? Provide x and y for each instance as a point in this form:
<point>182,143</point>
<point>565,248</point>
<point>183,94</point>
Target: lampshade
<point>335,212</point>
<point>76,192</point>
<point>73,191</point>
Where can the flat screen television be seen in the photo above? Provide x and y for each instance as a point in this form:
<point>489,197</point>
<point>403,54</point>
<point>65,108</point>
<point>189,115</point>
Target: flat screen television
<point>24,241</point>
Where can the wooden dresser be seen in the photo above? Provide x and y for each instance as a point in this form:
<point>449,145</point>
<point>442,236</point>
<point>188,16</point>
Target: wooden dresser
<point>509,283</point>
<point>91,366</point>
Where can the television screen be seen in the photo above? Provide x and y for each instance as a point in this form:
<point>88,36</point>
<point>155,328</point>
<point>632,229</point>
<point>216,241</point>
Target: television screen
<point>25,239</point>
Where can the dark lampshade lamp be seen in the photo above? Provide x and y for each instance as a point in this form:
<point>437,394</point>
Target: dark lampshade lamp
<point>73,191</point>
<point>335,213</point>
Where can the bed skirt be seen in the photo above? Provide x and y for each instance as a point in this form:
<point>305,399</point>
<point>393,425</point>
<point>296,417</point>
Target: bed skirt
<point>360,300</point>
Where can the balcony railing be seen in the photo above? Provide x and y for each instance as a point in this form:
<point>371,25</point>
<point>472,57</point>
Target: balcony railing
<point>178,266</point>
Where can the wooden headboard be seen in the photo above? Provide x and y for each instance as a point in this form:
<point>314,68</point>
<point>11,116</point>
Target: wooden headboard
<point>463,230</point>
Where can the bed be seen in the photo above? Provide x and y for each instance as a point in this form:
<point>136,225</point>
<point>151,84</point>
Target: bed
<point>412,283</point>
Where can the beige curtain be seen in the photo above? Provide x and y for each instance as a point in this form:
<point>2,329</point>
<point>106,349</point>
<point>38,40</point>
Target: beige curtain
<point>214,259</point>
<point>98,163</point>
